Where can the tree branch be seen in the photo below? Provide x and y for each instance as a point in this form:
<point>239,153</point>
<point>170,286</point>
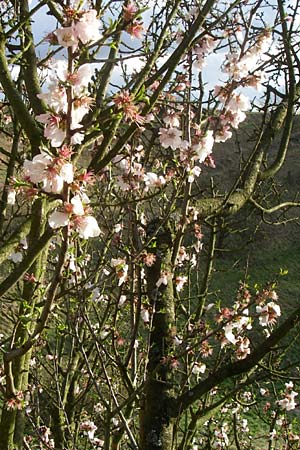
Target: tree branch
<point>231,370</point>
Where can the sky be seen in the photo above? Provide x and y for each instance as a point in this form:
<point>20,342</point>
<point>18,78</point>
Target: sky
<point>43,24</point>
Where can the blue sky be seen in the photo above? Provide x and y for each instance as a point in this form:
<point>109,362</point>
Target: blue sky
<point>44,24</point>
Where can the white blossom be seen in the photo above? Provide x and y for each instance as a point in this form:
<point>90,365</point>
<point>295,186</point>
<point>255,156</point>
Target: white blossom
<point>268,313</point>
<point>78,208</point>
<point>180,282</point>
<point>88,427</point>
<point>11,196</point>
<point>58,219</point>
<point>204,146</point>
<point>87,28</point>
<point>170,137</point>
<point>66,172</point>
<point>88,227</point>
<point>163,279</point>
<point>198,368</point>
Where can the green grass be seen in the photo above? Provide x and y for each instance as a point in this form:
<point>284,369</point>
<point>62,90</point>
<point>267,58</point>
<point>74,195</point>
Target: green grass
<point>259,266</point>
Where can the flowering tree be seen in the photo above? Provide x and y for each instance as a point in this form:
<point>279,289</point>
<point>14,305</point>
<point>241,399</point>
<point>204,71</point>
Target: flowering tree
<point>110,340</point>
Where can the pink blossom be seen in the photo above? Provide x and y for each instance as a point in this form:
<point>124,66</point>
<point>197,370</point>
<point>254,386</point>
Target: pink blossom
<point>171,119</point>
<point>123,98</point>
<point>154,85</point>
<point>121,269</point>
<point>256,80</point>
<point>135,29</point>
<point>49,171</point>
<point>56,98</point>
<point>66,172</point>
<point>194,172</point>
<point>229,336</point>
<point>77,206</point>
<point>206,350</point>
<point>80,108</point>
<point>66,36</point>
<point>132,114</point>
<point>174,363</point>
<point>243,349</point>
<point>206,44</point>
<point>81,78</point>
<point>288,402</point>
<point>87,28</point>
<point>14,404</point>
<point>149,259</point>
<point>209,162</point>
<point>223,134</point>
<point>86,178</point>
<point>125,101</point>
<point>129,11</point>
<point>99,443</point>
<point>182,256</point>
<point>170,137</point>
<point>145,316</point>
<point>11,196</point>
<point>153,180</point>
<point>52,181</point>
<point>238,102</point>
<point>35,169</point>
<point>236,118</point>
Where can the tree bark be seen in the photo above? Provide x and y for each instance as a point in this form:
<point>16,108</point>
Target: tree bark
<point>156,423</point>
<point>12,425</point>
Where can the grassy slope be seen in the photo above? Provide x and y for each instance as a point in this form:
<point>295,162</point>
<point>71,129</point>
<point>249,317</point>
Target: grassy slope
<point>254,249</point>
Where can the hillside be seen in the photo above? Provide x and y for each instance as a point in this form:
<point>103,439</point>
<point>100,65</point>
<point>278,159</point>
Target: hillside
<point>253,246</point>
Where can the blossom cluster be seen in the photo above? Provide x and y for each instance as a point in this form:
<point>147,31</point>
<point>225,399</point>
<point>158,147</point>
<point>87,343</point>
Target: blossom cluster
<point>241,68</point>
<point>68,101</point>
<point>51,172</point>
<point>132,175</point>
<point>238,320</point>
<point>203,47</point>
<point>134,26</point>
<point>82,27</point>
<point>56,121</point>
<point>288,402</point>
<point>242,71</point>
<point>268,311</point>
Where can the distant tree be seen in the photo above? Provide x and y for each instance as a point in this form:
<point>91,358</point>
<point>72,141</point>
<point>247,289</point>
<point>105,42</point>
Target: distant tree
<point>110,338</point>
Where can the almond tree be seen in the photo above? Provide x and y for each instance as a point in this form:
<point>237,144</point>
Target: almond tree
<point>110,339</point>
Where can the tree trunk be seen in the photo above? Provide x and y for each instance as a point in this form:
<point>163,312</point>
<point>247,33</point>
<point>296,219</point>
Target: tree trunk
<point>156,424</point>
<point>12,425</point>
<point>8,425</point>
